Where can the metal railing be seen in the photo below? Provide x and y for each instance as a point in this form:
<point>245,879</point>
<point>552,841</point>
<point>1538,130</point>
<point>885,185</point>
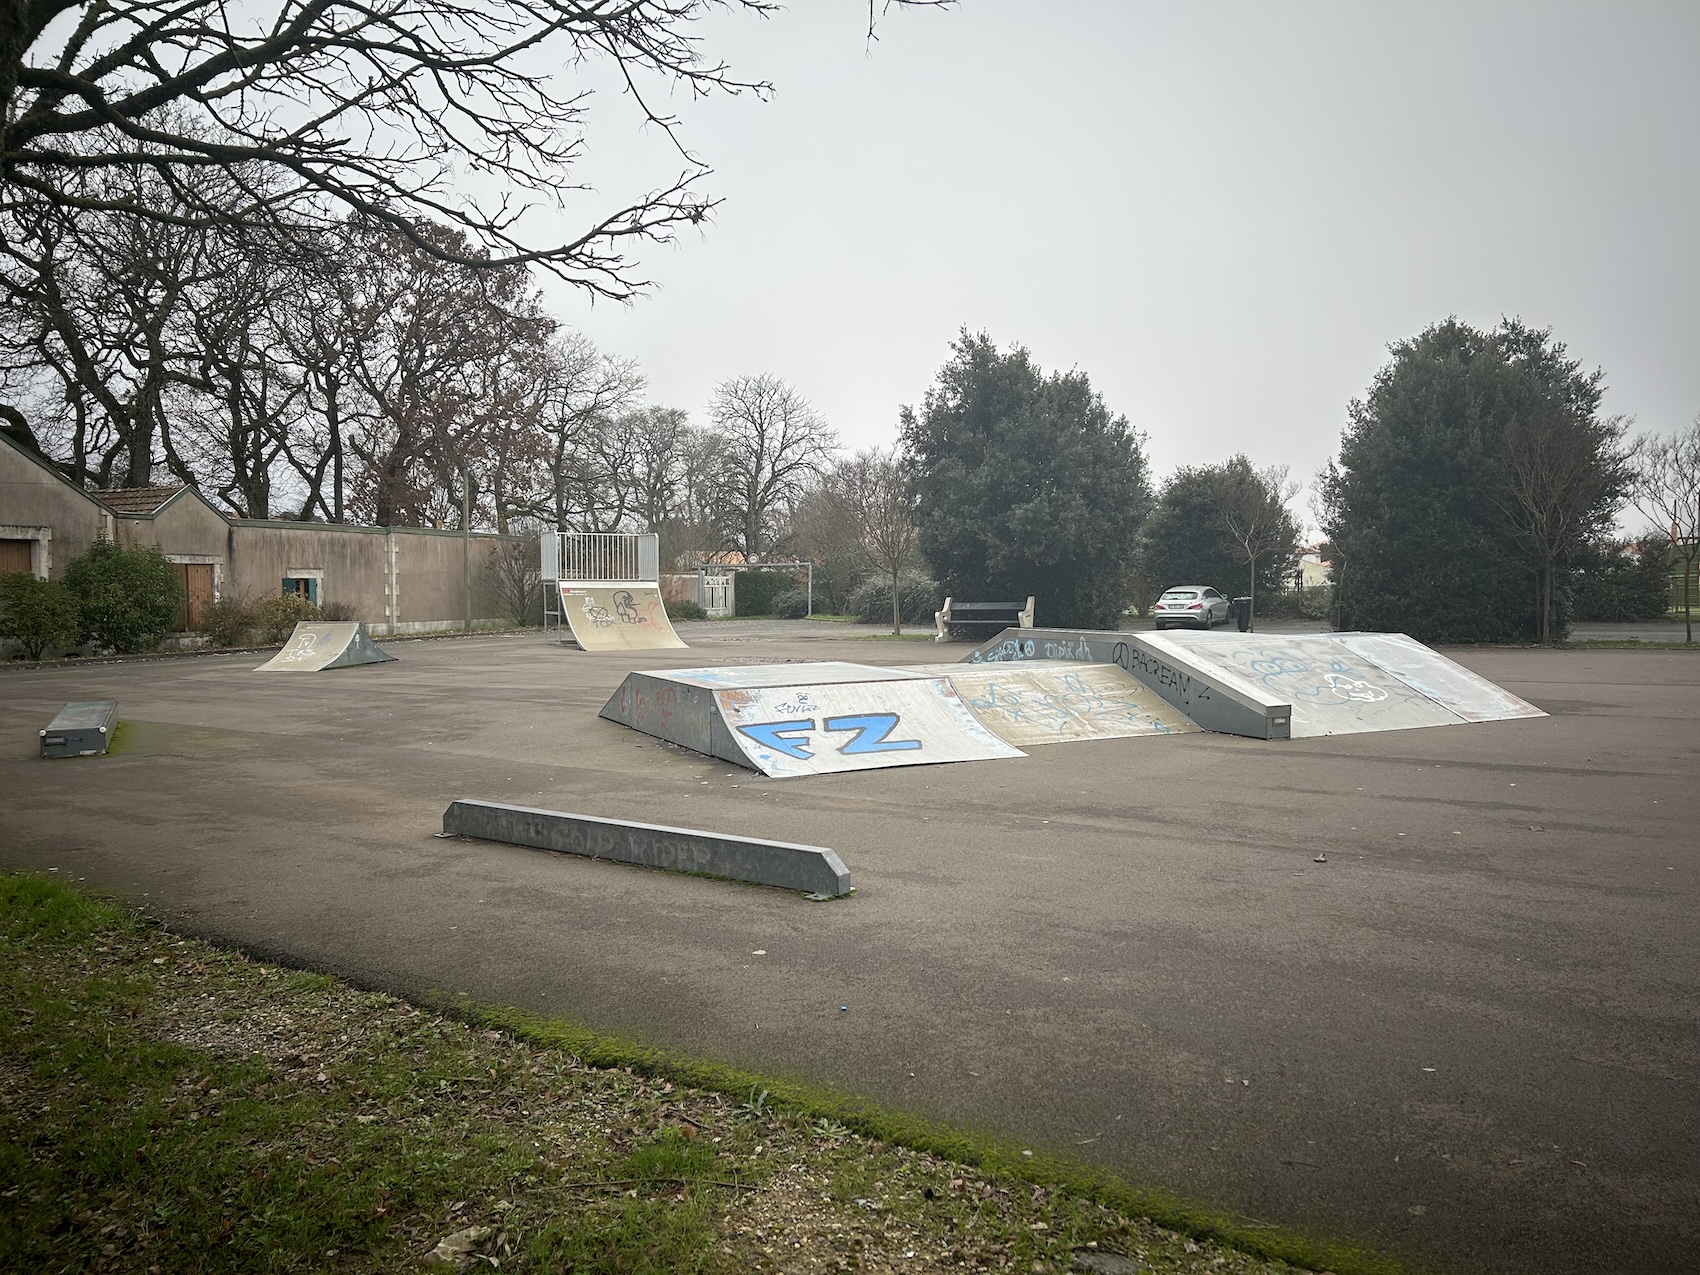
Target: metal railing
<point>596,555</point>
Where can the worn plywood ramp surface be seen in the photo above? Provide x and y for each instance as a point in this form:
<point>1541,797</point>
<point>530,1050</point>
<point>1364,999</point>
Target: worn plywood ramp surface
<point>1346,683</point>
<point>1057,701</point>
<point>618,617</point>
<point>823,728</point>
<point>316,646</point>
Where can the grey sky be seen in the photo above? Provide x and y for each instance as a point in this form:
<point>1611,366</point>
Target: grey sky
<point>1222,212</point>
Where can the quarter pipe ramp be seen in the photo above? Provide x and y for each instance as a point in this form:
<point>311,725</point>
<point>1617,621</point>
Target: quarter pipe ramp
<point>807,719</point>
<point>618,616</point>
<point>316,646</point>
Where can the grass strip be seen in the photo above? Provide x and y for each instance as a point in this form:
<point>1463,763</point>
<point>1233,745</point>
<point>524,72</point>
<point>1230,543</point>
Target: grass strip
<point>167,1105</point>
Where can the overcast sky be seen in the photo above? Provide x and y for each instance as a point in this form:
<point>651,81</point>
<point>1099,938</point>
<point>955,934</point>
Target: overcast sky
<point>1222,212</point>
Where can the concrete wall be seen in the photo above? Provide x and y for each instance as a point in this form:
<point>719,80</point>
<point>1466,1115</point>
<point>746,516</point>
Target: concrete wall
<point>398,580</point>
<point>38,505</point>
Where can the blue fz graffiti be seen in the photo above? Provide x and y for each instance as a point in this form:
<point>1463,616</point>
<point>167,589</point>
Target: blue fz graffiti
<point>872,735</point>
<point>873,732</point>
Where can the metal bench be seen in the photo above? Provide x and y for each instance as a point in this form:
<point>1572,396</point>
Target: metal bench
<point>1002,615</point>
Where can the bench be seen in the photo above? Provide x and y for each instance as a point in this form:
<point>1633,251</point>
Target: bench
<point>1002,615</point>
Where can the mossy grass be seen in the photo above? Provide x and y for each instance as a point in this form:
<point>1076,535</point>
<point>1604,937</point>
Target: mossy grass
<point>168,1105</point>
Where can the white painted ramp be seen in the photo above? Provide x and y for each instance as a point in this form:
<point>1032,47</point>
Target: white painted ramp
<point>1058,701</point>
<point>616,616</point>
<point>835,726</point>
<point>806,718</point>
<point>316,646</point>
<point>1345,683</point>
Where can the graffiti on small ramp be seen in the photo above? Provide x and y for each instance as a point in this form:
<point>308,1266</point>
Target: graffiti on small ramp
<point>315,646</point>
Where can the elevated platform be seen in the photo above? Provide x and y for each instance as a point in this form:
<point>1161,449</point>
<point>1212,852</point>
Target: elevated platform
<point>806,719</point>
<point>317,646</point>
<point>1279,686</point>
<point>618,616</point>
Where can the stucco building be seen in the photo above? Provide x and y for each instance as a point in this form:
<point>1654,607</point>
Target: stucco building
<point>396,579</point>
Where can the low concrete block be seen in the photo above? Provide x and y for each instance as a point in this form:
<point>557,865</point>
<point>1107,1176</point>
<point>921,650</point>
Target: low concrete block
<point>813,869</point>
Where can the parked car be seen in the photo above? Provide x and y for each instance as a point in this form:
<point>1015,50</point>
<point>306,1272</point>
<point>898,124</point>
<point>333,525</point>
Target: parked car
<point>1193,605</point>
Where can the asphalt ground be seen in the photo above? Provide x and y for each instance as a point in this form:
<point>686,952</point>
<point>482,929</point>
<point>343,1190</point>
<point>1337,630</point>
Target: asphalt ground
<point>1469,1037</point>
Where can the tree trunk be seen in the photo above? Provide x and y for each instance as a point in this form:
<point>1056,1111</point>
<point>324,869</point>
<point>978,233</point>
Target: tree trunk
<point>1546,603</point>
<point>1251,607</point>
<point>1687,602</point>
<point>896,608</point>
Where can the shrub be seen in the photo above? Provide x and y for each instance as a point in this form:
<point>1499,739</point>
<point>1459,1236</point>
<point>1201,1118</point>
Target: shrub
<point>277,617</point>
<point>757,591</point>
<point>918,598</point>
<point>1609,583</point>
<point>129,598</point>
<point>684,609</point>
<point>228,621</point>
<point>337,612</point>
<point>793,604</point>
<point>1314,603</point>
<point>37,614</point>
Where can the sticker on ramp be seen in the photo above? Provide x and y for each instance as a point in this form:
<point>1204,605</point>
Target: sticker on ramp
<point>820,729</point>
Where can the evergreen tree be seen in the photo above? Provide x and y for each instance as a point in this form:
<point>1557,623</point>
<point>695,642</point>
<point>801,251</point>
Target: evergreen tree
<point>1418,504</point>
<point>1026,484</point>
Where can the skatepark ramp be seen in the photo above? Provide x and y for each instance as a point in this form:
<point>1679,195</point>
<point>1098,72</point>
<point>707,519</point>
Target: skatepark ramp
<point>316,646</point>
<point>617,616</point>
<point>806,719</point>
<point>1278,686</point>
<point>1057,702</point>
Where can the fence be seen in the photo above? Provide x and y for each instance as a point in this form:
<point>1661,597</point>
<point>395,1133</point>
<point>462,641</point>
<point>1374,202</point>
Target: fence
<point>628,557</point>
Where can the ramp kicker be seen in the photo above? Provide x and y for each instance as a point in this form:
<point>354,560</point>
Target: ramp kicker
<point>807,719</point>
<point>1055,701</point>
<point>618,616</point>
<point>315,646</point>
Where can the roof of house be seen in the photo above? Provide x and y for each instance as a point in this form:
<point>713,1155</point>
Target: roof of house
<point>136,500</point>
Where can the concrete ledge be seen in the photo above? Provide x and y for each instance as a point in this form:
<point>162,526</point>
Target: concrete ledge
<point>813,869</point>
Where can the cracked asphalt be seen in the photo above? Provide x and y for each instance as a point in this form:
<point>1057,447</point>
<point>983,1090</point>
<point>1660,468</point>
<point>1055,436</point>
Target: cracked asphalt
<point>1469,1037</point>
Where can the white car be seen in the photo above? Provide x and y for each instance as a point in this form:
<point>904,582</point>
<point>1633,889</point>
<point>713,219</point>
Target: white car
<point>1194,605</point>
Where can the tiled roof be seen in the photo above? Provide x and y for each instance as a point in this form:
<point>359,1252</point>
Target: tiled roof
<point>136,500</point>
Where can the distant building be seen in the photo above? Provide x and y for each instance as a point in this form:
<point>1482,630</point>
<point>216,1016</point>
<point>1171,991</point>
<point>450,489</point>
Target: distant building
<point>396,579</point>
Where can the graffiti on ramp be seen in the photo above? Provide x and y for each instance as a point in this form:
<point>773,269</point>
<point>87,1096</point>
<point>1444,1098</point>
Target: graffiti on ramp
<point>618,617</point>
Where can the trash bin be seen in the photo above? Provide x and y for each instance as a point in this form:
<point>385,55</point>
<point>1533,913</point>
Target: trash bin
<point>1242,613</point>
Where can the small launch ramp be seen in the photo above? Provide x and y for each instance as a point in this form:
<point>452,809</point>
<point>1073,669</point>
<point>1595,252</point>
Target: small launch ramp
<point>314,647</point>
<point>1055,701</point>
<point>1346,683</point>
<point>806,719</point>
<point>618,616</point>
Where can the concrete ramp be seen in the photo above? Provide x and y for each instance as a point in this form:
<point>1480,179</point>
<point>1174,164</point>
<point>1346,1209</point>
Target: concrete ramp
<point>1345,683</point>
<point>615,616</point>
<point>1056,701</point>
<point>317,646</point>
<point>806,719</point>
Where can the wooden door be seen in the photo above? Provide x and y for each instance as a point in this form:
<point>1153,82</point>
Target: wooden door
<point>14,555</point>
<point>197,581</point>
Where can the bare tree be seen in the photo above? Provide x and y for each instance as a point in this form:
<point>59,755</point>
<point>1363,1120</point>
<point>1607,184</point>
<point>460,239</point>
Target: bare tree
<point>362,108</point>
<point>1562,475</point>
<point>1665,487</point>
<point>773,442</point>
<point>880,495</point>
<point>1251,514</point>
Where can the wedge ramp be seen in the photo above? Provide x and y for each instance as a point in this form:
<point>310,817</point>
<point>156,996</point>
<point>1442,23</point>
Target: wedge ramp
<point>1347,683</point>
<point>319,645</point>
<point>618,616</point>
<point>1056,701</point>
<point>1223,704</point>
<point>786,720</point>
